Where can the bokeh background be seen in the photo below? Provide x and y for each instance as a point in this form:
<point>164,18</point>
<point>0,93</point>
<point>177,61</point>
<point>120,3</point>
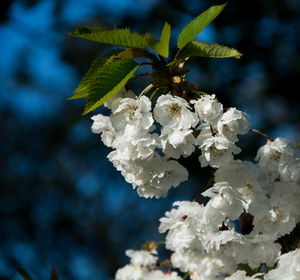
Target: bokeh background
<point>62,203</point>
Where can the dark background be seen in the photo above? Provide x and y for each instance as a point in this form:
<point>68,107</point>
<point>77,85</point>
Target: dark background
<point>61,202</point>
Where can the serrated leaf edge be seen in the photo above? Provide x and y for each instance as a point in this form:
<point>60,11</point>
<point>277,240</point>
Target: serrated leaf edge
<point>181,43</point>
<point>111,93</point>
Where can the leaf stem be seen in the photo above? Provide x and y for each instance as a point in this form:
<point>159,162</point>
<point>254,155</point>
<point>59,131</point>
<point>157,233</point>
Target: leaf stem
<point>146,89</point>
<point>143,75</point>
<point>177,53</point>
<point>153,93</point>
<point>160,243</point>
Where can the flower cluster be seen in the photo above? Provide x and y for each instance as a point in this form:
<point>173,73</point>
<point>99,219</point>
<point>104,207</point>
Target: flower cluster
<point>243,225</point>
<point>148,160</point>
<point>249,207</point>
<point>129,130</point>
<point>219,131</point>
<point>268,195</point>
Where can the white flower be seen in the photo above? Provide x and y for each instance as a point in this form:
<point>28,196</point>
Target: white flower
<point>246,181</point>
<point>244,172</point>
<point>241,275</point>
<point>218,241</point>
<point>254,250</point>
<point>194,275</point>
<point>174,112</point>
<point>122,93</point>
<point>233,122</point>
<point>162,175</point>
<point>276,156</point>
<point>130,272</point>
<point>102,125</point>
<point>202,264</point>
<point>159,275</point>
<point>215,150</point>
<point>182,225</point>
<point>208,108</point>
<point>176,143</point>
<point>291,171</point>
<point>224,201</point>
<point>288,267</point>
<point>132,112</point>
<point>142,257</point>
<point>251,249</point>
<point>152,177</point>
<point>287,193</point>
<point>279,218</point>
<point>138,146</point>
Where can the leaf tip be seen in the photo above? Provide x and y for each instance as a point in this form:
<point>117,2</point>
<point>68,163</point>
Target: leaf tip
<point>86,110</point>
<point>222,5</point>
<point>75,96</point>
<point>238,55</point>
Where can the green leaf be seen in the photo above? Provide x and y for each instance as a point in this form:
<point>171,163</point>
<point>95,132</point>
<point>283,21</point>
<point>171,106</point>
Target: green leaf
<point>119,37</point>
<point>191,30</point>
<point>113,75</point>
<point>165,36</point>
<point>23,273</point>
<point>162,46</point>
<point>82,90</point>
<point>127,53</point>
<point>53,275</point>
<point>202,49</point>
<point>133,53</point>
<point>94,72</point>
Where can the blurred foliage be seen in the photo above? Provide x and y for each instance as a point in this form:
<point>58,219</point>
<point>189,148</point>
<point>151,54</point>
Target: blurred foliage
<point>62,204</point>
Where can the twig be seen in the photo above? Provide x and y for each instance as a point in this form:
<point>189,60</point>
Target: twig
<point>153,93</point>
<point>177,53</point>
<point>261,133</point>
<point>146,89</point>
<point>160,243</point>
<point>143,75</point>
<point>162,264</point>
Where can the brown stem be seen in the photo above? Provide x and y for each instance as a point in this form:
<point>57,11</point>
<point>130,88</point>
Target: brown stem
<point>177,53</point>
<point>143,75</point>
<point>261,133</point>
<point>162,264</point>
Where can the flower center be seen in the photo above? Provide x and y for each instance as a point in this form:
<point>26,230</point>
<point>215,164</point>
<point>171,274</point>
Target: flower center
<point>174,110</point>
